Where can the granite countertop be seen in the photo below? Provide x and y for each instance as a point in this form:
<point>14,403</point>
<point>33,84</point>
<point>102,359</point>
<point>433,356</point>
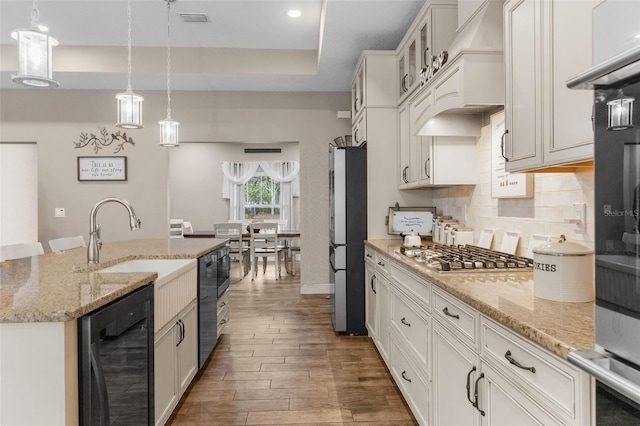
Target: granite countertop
<point>62,287</point>
<point>507,297</point>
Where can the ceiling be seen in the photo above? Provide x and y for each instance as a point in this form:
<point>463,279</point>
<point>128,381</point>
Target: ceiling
<point>246,45</point>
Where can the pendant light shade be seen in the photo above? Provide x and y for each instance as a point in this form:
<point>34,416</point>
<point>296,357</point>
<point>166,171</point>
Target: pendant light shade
<point>168,126</point>
<point>169,132</point>
<point>35,53</point>
<point>129,103</point>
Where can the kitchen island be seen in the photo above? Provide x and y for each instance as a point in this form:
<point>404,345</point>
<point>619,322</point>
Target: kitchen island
<point>40,300</point>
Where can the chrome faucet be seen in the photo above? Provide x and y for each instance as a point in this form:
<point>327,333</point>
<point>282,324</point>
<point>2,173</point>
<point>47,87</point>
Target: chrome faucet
<point>93,248</point>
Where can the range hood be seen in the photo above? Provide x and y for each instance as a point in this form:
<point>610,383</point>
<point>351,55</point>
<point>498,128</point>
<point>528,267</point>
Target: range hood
<point>472,80</point>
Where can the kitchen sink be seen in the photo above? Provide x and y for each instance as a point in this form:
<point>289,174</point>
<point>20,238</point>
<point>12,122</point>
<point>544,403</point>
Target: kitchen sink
<point>167,269</point>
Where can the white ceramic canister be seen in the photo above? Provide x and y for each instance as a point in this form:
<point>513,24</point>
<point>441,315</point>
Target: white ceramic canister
<point>563,271</point>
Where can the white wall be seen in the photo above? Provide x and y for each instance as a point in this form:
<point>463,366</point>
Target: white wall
<point>18,193</point>
<point>543,214</point>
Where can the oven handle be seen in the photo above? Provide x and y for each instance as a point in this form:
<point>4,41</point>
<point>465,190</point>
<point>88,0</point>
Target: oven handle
<point>585,360</point>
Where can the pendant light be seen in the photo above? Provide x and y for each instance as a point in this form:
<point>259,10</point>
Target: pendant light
<point>34,54</point>
<point>129,103</point>
<point>168,127</point>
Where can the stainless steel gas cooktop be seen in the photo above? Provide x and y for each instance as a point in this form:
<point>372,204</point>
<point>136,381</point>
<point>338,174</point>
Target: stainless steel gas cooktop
<point>467,258</point>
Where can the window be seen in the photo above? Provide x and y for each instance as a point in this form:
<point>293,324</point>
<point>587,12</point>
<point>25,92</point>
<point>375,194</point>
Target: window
<point>261,198</point>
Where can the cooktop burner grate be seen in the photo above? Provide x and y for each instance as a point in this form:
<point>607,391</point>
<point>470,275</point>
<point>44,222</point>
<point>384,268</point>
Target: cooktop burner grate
<point>468,258</point>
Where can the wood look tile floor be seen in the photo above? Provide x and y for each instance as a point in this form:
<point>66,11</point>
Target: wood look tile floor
<point>279,362</point>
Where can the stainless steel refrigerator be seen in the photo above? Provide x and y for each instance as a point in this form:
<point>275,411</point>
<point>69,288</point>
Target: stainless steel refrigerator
<point>347,232</point>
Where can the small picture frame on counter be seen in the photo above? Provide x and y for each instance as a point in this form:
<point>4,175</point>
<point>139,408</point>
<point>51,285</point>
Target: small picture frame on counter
<point>102,169</point>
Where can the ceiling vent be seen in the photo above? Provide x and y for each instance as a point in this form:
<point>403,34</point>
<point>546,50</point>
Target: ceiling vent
<point>193,17</point>
<point>262,150</point>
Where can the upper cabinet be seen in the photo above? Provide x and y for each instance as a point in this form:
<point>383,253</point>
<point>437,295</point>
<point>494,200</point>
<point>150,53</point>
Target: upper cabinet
<point>371,84</point>
<point>547,125</point>
<point>431,33</point>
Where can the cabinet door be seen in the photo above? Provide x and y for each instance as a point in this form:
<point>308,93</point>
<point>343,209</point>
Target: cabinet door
<point>360,129</point>
<point>523,103</point>
<point>188,348</point>
<point>408,68</point>
<point>407,161</point>
<point>570,136</point>
<point>426,165</point>
<point>357,91</point>
<point>455,371</point>
<point>437,31</point>
<point>165,380</point>
<point>371,300</point>
<point>447,160</point>
<point>383,310</point>
<point>505,404</point>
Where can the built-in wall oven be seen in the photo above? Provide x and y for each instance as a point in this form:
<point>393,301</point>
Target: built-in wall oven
<point>615,80</point>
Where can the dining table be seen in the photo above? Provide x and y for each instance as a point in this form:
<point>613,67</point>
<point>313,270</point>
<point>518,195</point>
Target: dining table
<point>285,235</point>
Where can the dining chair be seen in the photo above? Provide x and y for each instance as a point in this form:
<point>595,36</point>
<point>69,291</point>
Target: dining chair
<point>18,251</point>
<point>265,244</point>
<point>237,249</point>
<point>59,245</point>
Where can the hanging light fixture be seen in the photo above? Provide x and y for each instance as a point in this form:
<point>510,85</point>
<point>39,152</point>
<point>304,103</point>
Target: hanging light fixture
<point>168,127</point>
<point>129,103</point>
<point>34,54</point>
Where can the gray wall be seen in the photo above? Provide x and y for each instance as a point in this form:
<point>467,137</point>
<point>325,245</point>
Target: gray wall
<point>195,183</point>
<point>55,119</point>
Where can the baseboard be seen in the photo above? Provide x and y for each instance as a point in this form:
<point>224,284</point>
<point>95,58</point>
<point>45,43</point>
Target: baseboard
<point>316,289</point>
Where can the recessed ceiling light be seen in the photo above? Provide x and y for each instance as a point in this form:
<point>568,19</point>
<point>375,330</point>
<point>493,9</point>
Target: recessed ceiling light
<point>293,13</point>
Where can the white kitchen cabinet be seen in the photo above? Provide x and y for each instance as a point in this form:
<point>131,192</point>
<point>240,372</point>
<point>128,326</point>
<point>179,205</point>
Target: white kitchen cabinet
<point>175,360</point>
<point>407,150</point>
<point>454,368</point>
<point>372,83</point>
<point>430,34</point>
<point>447,160</point>
<point>359,129</point>
<point>414,388</point>
<point>382,309</point>
<point>546,43</point>
<point>371,297</point>
<point>408,66</point>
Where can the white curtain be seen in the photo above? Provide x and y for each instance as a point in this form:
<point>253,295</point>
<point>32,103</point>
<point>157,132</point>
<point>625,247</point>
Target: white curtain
<point>237,174</point>
<point>287,174</point>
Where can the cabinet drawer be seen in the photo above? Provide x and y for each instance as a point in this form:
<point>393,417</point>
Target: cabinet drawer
<point>370,255</point>
<point>382,264</point>
<point>414,285</point>
<point>413,388</point>
<point>457,316</point>
<point>554,382</point>
<point>223,311</point>
<point>413,326</point>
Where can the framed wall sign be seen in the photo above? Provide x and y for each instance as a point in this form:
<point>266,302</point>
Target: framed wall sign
<point>503,183</point>
<point>102,168</point>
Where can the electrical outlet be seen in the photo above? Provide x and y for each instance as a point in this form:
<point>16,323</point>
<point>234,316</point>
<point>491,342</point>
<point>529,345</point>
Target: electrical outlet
<point>59,212</point>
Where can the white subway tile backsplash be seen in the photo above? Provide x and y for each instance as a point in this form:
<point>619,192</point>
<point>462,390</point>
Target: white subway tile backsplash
<point>544,214</point>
